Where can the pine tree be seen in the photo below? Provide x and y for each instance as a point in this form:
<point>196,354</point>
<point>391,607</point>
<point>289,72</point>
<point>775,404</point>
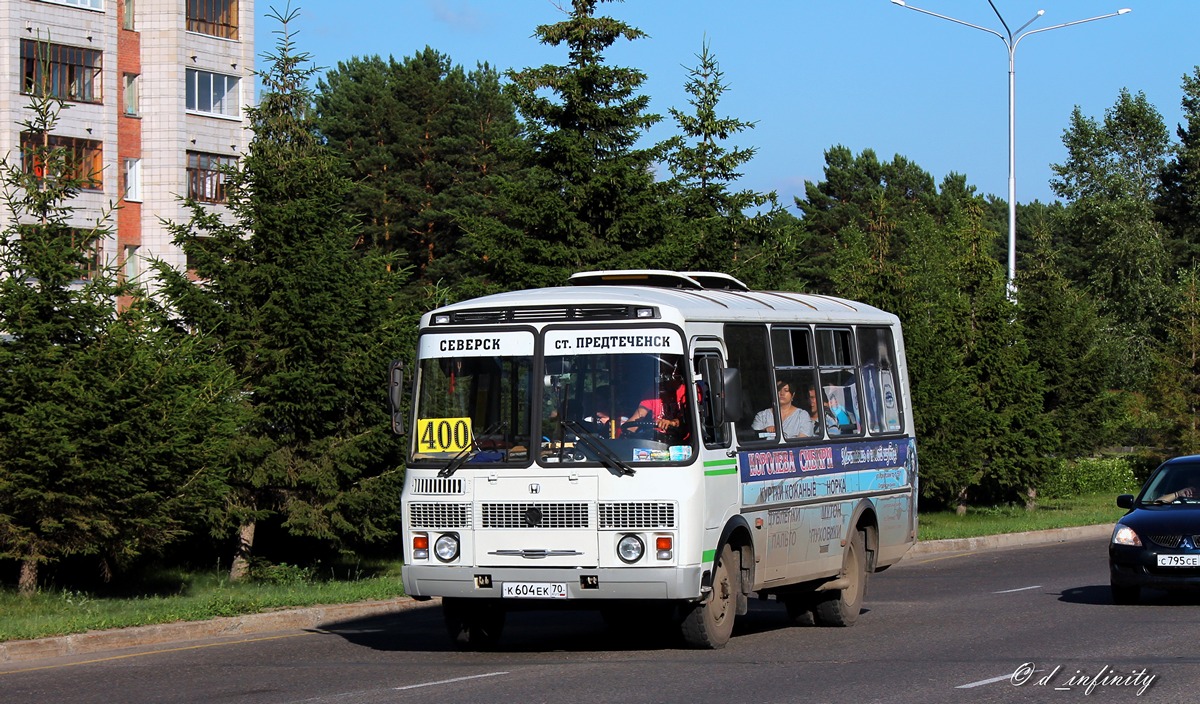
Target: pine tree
<point>112,422</point>
<point>422,139</point>
<point>307,321</point>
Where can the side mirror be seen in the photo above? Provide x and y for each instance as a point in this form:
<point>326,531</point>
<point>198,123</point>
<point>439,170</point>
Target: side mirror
<point>1125,501</point>
<point>396,396</point>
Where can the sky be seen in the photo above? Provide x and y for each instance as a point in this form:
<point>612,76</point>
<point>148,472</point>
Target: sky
<point>813,74</point>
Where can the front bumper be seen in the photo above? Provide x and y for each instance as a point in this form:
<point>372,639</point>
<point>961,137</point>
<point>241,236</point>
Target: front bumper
<point>610,583</point>
<point>1134,566</point>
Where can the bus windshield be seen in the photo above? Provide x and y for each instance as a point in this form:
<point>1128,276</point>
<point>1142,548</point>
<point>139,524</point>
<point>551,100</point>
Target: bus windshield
<point>473,400</point>
<point>620,396</point>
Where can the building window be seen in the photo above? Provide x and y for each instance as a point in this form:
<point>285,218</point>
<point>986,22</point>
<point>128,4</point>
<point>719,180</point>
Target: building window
<point>133,99</point>
<point>133,179</point>
<point>206,178</point>
<point>52,156</point>
<point>132,263</point>
<point>216,17</point>
<point>89,4</point>
<point>64,72</point>
<point>127,15</point>
<point>212,93</point>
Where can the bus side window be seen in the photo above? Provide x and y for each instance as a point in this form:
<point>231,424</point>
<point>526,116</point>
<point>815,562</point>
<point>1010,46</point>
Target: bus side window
<point>876,355</point>
<point>791,348</point>
<point>748,347</point>
<point>842,412</point>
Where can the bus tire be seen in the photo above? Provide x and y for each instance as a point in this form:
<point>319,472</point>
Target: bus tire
<point>709,624</point>
<point>841,607</point>
<point>473,624</point>
<point>800,609</point>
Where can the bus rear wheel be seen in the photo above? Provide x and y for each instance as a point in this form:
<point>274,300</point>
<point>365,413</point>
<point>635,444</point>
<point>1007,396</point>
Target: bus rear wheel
<point>473,624</point>
<point>840,607</point>
<point>710,624</point>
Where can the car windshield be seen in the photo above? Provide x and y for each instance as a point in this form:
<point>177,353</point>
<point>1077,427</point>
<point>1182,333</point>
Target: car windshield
<point>1173,483</point>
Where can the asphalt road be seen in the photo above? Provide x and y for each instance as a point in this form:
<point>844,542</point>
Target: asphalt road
<point>948,627</point>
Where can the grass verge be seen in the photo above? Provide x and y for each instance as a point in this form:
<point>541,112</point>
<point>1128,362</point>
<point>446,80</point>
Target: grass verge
<point>199,597</point>
<point>1086,510</point>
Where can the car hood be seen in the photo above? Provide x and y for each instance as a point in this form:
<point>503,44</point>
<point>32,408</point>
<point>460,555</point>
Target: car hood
<point>1167,519</point>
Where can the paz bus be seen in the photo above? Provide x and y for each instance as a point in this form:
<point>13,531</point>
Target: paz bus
<point>612,444</point>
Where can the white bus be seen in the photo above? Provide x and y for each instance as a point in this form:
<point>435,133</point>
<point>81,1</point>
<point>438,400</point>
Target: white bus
<point>612,444</point>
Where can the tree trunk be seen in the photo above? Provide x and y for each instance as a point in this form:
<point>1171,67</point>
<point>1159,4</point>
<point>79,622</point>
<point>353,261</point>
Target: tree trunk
<point>241,558</point>
<point>27,585</point>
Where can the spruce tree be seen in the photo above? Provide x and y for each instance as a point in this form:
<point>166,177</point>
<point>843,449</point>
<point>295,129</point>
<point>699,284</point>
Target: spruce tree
<point>703,171</point>
<point>1179,202</point>
<point>307,320</point>
<point>113,422</point>
<point>588,198</point>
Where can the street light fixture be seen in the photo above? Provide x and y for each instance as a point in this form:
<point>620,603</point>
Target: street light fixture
<point>1010,42</point>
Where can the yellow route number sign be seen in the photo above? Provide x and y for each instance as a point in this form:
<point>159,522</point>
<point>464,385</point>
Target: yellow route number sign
<point>443,434</point>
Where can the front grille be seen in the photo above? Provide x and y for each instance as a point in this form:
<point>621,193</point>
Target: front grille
<point>1167,541</point>
<point>534,515</point>
<point>437,516</point>
<point>631,514</point>
<point>439,486</point>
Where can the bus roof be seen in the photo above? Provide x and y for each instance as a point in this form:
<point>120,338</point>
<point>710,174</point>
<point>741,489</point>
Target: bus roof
<point>616,295</point>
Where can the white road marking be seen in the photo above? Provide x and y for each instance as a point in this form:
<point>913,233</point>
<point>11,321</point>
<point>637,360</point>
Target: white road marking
<point>456,679</point>
<point>980,683</point>
<point>1022,589</point>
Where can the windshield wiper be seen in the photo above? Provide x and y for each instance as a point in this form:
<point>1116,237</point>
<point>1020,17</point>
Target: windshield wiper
<point>461,458</point>
<point>605,455</point>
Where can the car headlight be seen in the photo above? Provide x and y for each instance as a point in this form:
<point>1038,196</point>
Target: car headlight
<point>446,547</point>
<point>630,548</point>
<point>1124,535</point>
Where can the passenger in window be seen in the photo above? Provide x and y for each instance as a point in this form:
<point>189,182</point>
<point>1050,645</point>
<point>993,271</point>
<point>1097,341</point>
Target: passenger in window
<point>796,422</point>
<point>838,420</point>
<point>815,411</point>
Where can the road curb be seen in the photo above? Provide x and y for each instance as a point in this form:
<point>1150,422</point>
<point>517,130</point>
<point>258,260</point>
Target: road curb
<point>137,636</point>
<point>1007,540</point>
<point>319,616</point>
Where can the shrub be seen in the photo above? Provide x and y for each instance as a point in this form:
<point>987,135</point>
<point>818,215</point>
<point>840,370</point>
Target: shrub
<point>1090,476</point>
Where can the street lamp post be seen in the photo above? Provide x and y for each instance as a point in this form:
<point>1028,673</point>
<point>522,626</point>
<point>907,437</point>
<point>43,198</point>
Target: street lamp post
<point>1011,39</point>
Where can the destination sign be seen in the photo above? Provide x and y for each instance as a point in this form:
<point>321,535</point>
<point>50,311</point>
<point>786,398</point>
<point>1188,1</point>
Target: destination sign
<point>476,344</point>
<point>626,341</point>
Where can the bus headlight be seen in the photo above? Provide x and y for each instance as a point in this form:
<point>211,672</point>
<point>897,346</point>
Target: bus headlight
<point>630,548</point>
<point>446,547</point>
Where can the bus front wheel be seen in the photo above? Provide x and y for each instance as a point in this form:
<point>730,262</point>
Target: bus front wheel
<point>473,624</point>
<point>840,607</point>
<point>709,624</point>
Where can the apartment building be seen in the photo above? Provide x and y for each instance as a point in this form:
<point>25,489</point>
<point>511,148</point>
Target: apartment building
<point>157,93</point>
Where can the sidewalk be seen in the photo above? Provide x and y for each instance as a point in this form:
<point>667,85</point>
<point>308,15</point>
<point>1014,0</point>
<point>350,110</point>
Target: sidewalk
<point>319,616</point>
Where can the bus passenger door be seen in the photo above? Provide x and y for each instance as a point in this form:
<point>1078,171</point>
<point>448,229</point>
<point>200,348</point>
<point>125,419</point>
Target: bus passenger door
<point>721,475</point>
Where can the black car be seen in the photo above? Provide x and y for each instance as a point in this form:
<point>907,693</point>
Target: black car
<point>1157,544</point>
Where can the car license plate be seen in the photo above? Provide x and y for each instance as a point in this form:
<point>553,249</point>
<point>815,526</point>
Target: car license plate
<point>1179,560</point>
<point>534,590</point>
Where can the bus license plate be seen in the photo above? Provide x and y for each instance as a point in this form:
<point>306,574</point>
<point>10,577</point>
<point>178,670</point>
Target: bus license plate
<point>1179,560</point>
<point>534,590</point>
